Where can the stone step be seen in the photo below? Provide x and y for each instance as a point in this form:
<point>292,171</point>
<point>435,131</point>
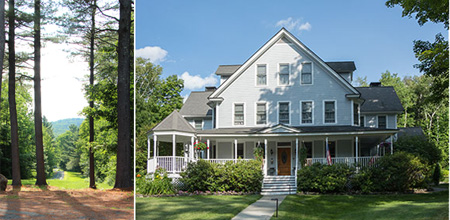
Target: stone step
<point>277,193</point>
<point>280,184</point>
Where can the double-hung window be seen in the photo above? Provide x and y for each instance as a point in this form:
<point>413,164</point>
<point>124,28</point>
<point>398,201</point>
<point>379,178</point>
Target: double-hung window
<point>307,110</point>
<point>261,75</point>
<point>283,113</point>
<point>283,74</point>
<point>306,73</point>
<point>261,115</point>
<point>198,124</point>
<point>238,114</point>
<point>382,121</point>
<point>330,112</point>
<point>355,114</point>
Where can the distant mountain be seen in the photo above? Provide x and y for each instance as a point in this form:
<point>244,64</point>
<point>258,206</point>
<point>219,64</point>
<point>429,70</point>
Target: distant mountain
<point>62,125</point>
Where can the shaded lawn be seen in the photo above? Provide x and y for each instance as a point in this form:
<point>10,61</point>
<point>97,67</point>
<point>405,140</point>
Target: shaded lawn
<point>192,207</point>
<point>405,206</point>
<point>72,180</point>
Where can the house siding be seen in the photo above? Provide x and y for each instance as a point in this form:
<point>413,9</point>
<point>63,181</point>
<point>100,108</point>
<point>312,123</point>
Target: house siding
<point>244,90</point>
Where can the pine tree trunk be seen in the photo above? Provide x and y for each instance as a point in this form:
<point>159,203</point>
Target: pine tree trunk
<point>2,44</point>
<point>91,102</point>
<point>123,169</point>
<point>12,99</point>
<point>40,166</point>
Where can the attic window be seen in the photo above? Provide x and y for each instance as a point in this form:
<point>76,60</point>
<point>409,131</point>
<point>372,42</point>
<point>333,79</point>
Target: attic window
<point>306,73</point>
<point>382,121</point>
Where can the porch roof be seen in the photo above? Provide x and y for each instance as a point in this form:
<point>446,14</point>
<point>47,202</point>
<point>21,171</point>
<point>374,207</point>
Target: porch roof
<point>312,130</point>
<point>174,122</point>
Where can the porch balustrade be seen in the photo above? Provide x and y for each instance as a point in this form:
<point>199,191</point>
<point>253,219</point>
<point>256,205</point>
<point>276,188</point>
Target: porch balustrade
<point>166,162</point>
<point>361,161</point>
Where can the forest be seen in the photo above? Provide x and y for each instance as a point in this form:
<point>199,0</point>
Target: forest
<point>102,144</point>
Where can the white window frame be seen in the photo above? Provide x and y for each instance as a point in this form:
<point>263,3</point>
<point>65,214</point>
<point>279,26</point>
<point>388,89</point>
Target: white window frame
<point>278,111</point>
<point>202,124</point>
<point>335,111</point>
<point>353,114</point>
<point>312,77</point>
<point>256,113</point>
<point>301,112</point>
<point>289,74</point>
<point>256,74</point>
<point>234,107</point>
<point>378,121</point>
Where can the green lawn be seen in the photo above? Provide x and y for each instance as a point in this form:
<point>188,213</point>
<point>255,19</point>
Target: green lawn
<point>405,206</point>
<point>192,207</point>
<point>72,180</point>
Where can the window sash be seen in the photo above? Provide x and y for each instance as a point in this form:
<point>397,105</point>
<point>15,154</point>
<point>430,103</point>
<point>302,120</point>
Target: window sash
<point>284,74</point>
<point>330,112</point>
<point>261,75</point>
<point>283,113</point>
<point>355,114</point>
<point>198,124</point>
<point>306,73</point>
<point>261,114</point>
<point>381,121</point>
<point>306,112</point>
<point>240,150</point>
<point>239,114</point>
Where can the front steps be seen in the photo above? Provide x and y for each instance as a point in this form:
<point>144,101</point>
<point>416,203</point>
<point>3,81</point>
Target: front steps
<point>279,185</point>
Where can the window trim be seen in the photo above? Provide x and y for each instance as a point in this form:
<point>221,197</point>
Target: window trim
<point>301,112</point>
<point>256,113</point>
<point>256,74</point>
<point>335,111</point>
<point>201,124</point>
<point>233,116</point>
<point>278,112</point>
<point>289,74</point>
<point>378,121</point>
<point>312,77</point>
<point>353,114</point>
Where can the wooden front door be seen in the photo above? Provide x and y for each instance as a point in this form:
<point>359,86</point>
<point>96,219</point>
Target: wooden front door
<point>284,161</point>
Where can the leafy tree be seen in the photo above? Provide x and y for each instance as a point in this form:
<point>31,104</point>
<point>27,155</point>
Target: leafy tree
<point>68,151</point>
<point>425,10</point>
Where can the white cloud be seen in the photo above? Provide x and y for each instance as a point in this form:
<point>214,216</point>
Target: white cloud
<point>294,24</point>
<point>197,82</point>
<point>155,54</point>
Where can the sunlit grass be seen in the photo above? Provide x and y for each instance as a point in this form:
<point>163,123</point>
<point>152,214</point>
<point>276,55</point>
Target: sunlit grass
<point>401,206</point>
<point>72,180</point>
<point>192,207</point>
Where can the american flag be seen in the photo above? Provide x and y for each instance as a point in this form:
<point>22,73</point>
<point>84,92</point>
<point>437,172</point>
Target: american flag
<point>328,155</point>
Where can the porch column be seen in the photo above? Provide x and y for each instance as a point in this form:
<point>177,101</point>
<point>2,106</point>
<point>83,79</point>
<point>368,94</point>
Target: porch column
<point>154,151</point>
<point>266,158</point>
<point>207,150</point>
<point>392,144</point>
<point>235,149</point>
<point>357,151</point>
<point>174,144</point>
<point>378,149</point>
<point>191,150</point>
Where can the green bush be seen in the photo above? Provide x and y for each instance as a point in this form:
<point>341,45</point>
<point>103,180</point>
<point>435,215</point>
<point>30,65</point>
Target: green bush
<point>242,176</point>
<point>398,172</point>
<point>324,178</point>
<point>420,147</point>
<point>437,174</point>
<point>158,184</point>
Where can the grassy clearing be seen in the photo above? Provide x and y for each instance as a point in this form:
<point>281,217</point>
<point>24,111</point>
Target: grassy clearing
<point>72,180</point>
<point>192,207</point>
<point>405,206</point>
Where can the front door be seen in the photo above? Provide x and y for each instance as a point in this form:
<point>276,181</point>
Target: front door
<point>284,161</point>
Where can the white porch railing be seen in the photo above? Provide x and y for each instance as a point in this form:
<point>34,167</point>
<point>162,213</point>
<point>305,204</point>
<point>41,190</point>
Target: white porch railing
<point>166,162</point>
<point>362,161</point>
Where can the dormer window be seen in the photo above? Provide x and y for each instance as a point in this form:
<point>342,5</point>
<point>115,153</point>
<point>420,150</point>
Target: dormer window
<point>261,75</point>
<point>382,121</point>
<point>198,124</point>
<point>306,77</point>
<point>239,114</point>
<point>283,75</point>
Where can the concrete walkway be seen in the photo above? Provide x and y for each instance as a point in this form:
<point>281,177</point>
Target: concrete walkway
<point>264,208</point>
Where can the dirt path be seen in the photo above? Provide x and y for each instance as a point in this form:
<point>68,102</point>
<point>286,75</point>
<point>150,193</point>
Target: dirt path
<point>53,203</point>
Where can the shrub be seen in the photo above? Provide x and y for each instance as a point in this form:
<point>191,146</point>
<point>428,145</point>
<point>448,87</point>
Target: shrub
<point>158,184</point>
<point>420,147</point>
<point>437,174</point>
<point>323,178</point>
<point>400,171</point>
<point>242,176</point>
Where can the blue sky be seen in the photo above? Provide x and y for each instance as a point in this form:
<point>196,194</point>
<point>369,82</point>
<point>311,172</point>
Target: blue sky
<point>191,38</point>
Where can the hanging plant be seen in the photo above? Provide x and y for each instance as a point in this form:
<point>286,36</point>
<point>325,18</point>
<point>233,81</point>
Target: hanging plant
<point>200,146</point>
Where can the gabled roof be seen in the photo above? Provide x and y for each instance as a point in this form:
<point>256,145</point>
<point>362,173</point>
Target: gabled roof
<point>337,66</point>
<point>288,37</point>
<point>174,122</point>
<point>280,128</point>
<point>195,105</point>
<point>380,99</point>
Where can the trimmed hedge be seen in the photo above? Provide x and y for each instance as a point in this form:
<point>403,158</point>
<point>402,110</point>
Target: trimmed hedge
<point>324,178</point>
<point>242,176</point>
